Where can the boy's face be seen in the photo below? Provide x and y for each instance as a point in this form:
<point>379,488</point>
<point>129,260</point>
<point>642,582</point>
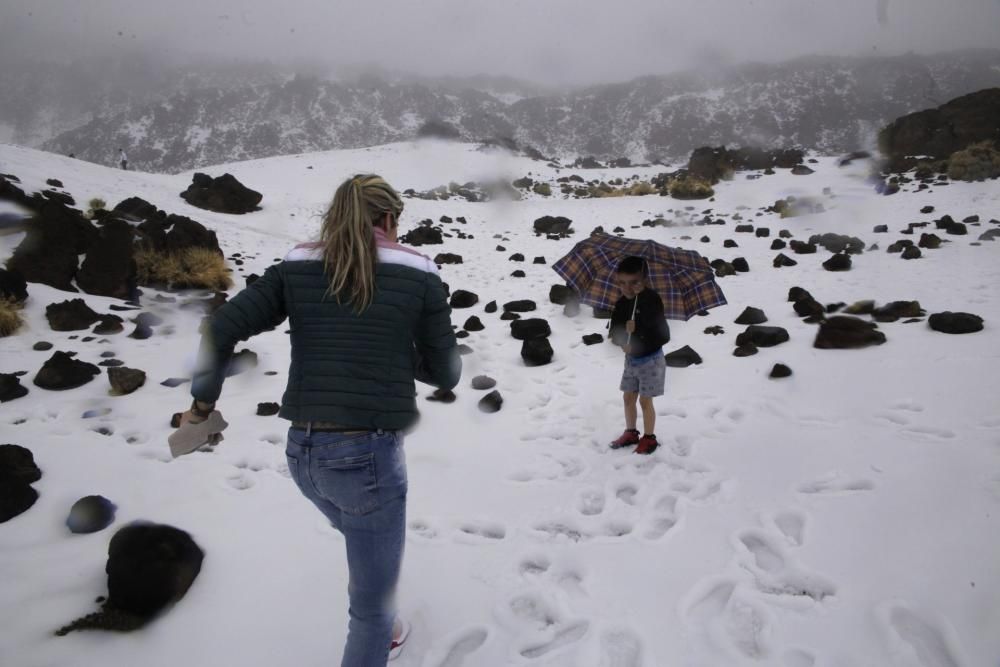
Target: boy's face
<point>630,284</point>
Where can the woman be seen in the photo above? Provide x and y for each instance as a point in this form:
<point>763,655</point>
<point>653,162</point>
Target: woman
<point>368,317</point>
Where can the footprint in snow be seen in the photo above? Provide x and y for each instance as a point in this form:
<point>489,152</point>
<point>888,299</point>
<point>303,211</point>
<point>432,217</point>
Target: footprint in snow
<point>922,642</point>
<point>240,481</point>
<point>620,647</point>
<point>792,525</point>
<point>835,484</point>
<point>483,530</point>
<point>422,529</point>
<point>626,493</point>
<point>561,638</point>
<point>590,502</point>
<point>456,650</point>
<point>534,565</point>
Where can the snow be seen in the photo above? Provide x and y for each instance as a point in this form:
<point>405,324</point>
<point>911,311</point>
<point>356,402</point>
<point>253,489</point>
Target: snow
<point>847,515</point>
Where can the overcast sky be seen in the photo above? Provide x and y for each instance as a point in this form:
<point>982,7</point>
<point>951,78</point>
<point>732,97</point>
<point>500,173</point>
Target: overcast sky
<point>547,41</point>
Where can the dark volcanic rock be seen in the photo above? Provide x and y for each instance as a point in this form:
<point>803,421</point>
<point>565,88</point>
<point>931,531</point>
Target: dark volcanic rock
<point>516,257</point>
<point>955,323</point>
<point>780,371</point>
<point>536,351</point>
<point>762,336</point>
<point>841,332</point>
<point>125,380</point>
<point>224,194</point>
<point>942,131</point>
<point>447,258</point>
<point>508,315</point>
<point>42,346</point>
<point>11,387</point>
<point>13,286</point>
<point>745,350</point>
<point>751,315</point>
<point>912,252</point>
<point>560,294</point>
<point>50,251</point>
<point>801,247</point>
<point>149,566</point>
<point>91,514</point>
<point>929,241</point>
<point>62,371</point>
<point>530,329</point>
<point>837,243</point>
<point>15,498</point>
<point>491,307</point>
<point>461,298</point>
<point>268,409</point>
<point>593,339</point>
<point>682,358</point>
<point>423,235</point>
<point>71,315</point>
<point>473,324</point>
<point>741,265</point>
<point>520,306</point>
<point>518,274</point>
<point>553,225</point>
<point>482,382</point>
<point>108,325</point>
<point>781,260</point>
<point>141,332</point>
<point>17,464</point>
<point>109,268</point>
<point>838,263</point>
<point>241,362</point>
<point>895,310</point>
<point>778,244</point>
<point>491,402</point>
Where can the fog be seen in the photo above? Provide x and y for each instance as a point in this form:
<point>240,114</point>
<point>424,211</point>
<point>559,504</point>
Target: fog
<point>544,41</point>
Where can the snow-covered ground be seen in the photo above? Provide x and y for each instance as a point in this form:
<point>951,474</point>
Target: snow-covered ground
<point>846,516</point>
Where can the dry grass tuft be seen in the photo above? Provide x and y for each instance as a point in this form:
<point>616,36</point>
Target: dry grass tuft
<point>10,317</point>
<point>978,162</point>
<point>188,268</point>
<point>691,187</point>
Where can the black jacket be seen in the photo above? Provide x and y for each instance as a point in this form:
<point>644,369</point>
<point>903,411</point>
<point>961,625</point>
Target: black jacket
<point>356,370</point>
<point>651,329</point>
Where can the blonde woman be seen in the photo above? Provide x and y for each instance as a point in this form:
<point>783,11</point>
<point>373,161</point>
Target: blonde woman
<point>368,317</point>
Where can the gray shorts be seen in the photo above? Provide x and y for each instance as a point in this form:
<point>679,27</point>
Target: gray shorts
<point>648,378</point>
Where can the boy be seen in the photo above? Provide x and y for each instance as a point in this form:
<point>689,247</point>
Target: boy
<point>639,327</point>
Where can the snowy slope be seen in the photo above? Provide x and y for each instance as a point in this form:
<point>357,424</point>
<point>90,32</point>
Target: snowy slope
<point>847,515</point>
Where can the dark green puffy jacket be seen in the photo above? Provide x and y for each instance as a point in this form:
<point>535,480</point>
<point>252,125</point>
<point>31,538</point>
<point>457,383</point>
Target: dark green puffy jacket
<point>354,370</point>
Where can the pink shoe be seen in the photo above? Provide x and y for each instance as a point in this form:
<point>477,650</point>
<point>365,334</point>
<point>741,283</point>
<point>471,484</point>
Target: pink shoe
<point>397,643</point>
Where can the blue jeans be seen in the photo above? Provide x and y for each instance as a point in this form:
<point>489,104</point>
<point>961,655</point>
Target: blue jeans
<point>359,482</point>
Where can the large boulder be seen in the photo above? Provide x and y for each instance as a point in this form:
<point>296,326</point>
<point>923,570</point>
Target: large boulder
<point>71,315</point>
<point>17,464</point>
<point>939,132</point>
<point>530,329</point>
<point>841,332</point>
<point>955,323</point>
<point>548,224</point>
<point>173,233</point>
<point>224,194</point>
<point>536,351</point>
<point>109,267</point>
<point>762,336</point>
<point>13,286</point>
<point>57,235</point>
<point>11,387</point>
<point>150,566</point>
<point>62,371</point>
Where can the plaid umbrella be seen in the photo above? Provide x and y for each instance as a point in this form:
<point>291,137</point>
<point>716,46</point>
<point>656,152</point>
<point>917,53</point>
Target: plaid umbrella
<point>683,278</point>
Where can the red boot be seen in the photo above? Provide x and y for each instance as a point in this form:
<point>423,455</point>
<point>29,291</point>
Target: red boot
<point>627,439</point>
<point>647,445</point>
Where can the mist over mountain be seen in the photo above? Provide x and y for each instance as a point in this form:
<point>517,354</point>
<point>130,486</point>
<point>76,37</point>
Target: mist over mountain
<point>173,119</point>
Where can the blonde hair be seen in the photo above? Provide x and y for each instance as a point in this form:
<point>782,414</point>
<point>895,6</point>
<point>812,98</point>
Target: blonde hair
<point>348,238</point>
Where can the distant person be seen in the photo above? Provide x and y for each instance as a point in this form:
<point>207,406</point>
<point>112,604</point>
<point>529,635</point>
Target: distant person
<point>367,318</point>
<point>639,327</point>
<point>122,159</point>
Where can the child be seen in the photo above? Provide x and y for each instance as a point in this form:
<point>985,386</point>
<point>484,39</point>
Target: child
<point>639,327</point>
